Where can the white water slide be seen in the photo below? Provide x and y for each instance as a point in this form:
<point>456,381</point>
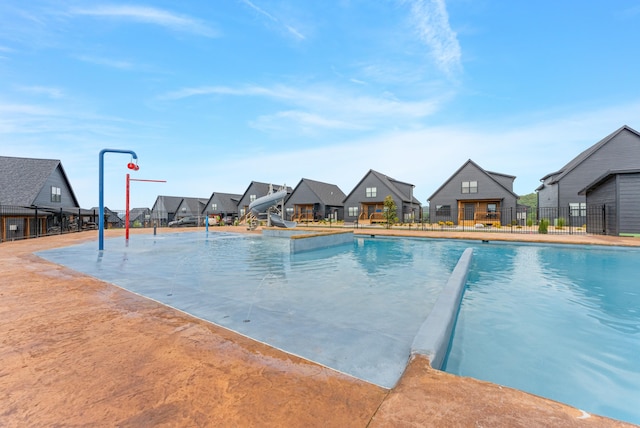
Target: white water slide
<point>264,203</point>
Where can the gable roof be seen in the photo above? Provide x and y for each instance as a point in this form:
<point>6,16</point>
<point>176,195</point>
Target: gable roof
<point>194,205</point>
<point>328,194</point>
<point>604,177</point>
<point>170,203</point>
<point>228,202</point>
<point>262,188</point>
<point>489,175</point>
<point>22,179</point>
<point>390,183</point>
<point>588,152</point>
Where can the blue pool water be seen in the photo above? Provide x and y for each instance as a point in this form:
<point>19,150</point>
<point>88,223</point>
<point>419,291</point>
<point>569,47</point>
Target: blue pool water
<point>355,308</point>
<point>560,322</point>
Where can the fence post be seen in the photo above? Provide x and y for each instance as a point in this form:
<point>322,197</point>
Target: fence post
<point>511,219</point>
<point>36,220</point>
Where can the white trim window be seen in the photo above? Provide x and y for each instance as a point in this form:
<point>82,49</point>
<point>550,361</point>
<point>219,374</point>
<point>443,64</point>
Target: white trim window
<point>353,211</point>
<point>578,209</point>
<point>469,187</point>
<point>56,195</point>
<point>252,198</point>
<point>372,192</point>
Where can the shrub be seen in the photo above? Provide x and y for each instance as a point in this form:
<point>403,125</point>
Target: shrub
<point>529,222</point>
<point>543,226</point>
<point>560,223</point>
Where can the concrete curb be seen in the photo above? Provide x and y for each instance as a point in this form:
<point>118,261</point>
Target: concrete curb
<point>434,335</point>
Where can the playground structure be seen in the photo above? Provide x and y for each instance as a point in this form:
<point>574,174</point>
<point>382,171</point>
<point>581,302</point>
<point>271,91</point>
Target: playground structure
<point>272,204</point>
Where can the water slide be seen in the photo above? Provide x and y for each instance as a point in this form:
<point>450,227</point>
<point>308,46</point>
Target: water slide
<point>262,204</point>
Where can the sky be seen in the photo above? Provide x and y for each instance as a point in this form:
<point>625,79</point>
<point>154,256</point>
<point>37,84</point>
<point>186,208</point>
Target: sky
<point>212,95</point>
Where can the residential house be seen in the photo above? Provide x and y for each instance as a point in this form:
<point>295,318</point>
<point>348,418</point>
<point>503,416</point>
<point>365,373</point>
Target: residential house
<point>314,200</point>
<point>613,202</point>
<point>191,207</point>
<point>473,196</point>
<point>221,205</point>
<point>36,198</point>
<point>365,203</point>
<point>164,209</point>
<point>254,191</point>
<point>139,217</point>
<point>558,195</point>
<point>112,219</point>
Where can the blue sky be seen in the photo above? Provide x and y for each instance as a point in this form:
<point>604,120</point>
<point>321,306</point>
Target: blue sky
<point>213,95</point>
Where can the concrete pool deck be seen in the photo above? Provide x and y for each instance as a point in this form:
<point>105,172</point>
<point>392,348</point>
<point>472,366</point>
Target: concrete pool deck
<point>79,351</point>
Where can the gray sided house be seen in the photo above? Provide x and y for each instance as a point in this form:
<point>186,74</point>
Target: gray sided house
<point>139,217</point>
<point>474,196</point>
<point>614,203</point>
<point>222,205</point>
<point>164,209</point>
<point>365,203</point>
<point>559,190</point>
<point>191,207</point>
<point>314,200</point>
<point>254,191</point>
<point>36,198</point>
<point>111,218</point>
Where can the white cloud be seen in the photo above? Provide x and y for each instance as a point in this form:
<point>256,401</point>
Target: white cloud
<point>432,24</point>
<point>112,63</point>
<point>150,15</point>
<point>48,91</point>
<point>289,29</point>
<point>324,107</point>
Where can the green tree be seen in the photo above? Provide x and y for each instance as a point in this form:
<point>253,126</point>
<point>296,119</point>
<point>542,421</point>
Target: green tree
<point>530,200</point>
<point>390,211</point>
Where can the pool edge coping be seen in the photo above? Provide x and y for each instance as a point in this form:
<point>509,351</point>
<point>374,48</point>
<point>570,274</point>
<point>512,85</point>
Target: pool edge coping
<point>434,335</point>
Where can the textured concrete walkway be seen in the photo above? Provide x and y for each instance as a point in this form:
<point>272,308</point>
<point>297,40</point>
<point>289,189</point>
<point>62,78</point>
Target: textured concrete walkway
<point>79,351</point>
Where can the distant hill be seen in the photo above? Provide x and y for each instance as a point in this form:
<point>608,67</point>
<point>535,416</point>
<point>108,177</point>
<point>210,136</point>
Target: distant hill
<point>530,200</point>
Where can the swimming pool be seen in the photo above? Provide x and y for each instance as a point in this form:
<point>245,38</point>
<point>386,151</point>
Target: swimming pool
<point>355,308</point>
<point>558,321</point>
<point>562,322</point>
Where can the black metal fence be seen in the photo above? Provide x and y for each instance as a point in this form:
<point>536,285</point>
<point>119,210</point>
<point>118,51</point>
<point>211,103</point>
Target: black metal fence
<point>32,222</point>
<point>557,221</point>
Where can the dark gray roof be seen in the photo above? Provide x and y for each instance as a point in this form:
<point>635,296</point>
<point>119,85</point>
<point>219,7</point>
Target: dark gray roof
<point>588,152</point>
<point>262,188</point>
<point>194,205</point>
<point>227,202</point>
<point>487,173</point>
<point>170,202</point>
<point>328,194</point>
<point>390,183</point>
<point>604,177</point>
<point>22,179</point>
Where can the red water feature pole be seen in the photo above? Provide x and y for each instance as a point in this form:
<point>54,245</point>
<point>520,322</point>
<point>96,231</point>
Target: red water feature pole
<point>126,233</point>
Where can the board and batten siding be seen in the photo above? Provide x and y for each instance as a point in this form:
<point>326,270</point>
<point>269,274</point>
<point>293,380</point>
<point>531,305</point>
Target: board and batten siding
<point>488,189</point>
<point>56,179</point>
<point>359,195</point>
<point>621,152</point>
<point>629,203</point>
<point>603,195</point>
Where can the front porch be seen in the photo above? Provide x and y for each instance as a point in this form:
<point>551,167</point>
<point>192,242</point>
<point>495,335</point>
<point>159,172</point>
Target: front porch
<point>485,212</point>
<point>372,213</point>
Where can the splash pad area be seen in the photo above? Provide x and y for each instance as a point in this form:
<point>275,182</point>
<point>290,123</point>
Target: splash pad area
<point>354,307</point>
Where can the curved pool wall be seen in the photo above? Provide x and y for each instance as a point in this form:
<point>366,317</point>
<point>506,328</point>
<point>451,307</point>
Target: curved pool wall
<point>434,336</point>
